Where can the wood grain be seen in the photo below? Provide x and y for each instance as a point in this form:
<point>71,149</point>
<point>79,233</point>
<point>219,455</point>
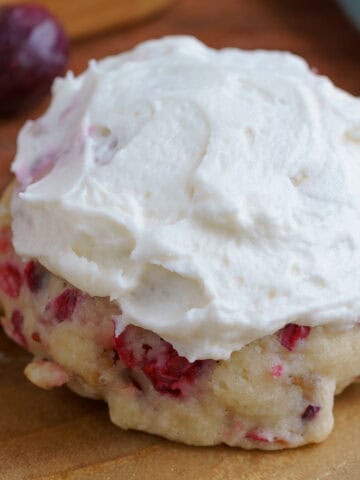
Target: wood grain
<point>85,17</point>
<point>56,435</point>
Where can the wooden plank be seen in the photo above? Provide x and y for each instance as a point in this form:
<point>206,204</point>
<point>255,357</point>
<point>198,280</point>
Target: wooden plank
<point>56,435</point>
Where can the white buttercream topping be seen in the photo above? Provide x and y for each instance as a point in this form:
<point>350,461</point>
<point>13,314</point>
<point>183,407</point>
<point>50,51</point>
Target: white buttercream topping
<point>214,194</point>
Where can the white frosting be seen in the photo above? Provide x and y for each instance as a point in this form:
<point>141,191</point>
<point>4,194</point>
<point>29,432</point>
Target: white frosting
<point>214,194</point>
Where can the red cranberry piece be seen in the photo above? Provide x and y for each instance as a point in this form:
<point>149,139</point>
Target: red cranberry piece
<point>291,334</point>
<point>10,280</point>
<point>33,51</point>
<point>167,370</point>
<point>36,337</point>
<point>17,321</point>
<point>35,275</point>
<point>124,345</point>
<point>310,412</point>
<point>277,370</point>
<point>64,305</point>
<point>256,436</point>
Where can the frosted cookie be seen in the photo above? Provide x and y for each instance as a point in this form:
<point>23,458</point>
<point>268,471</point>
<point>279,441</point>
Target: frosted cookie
<point>183,241</point>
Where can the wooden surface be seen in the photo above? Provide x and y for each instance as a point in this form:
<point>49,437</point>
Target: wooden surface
<point>86,17</point>
<point>56,435</point>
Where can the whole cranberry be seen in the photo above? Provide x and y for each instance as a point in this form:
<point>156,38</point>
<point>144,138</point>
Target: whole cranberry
<point>34,49</point>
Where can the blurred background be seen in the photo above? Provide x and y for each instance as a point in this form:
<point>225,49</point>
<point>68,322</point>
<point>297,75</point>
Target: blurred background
<point>321,30</point>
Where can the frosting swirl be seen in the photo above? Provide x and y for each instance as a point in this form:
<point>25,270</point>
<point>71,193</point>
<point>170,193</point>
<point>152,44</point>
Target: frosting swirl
<point>214,194</point>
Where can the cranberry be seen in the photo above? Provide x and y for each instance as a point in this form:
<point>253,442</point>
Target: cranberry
<point>17,321</point>
<point>291,334</point>
<point>35,275</point>
<point>256,436</point>
<point>310,412</point>
<point>10,280</point>
<point>33,51</point>
<point>277,370</point>
<point>36,337</point>
<point>166,369</point>
<point>64,305</point>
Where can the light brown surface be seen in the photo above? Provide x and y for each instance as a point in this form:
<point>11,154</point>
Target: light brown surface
<point>86,17</point>
<point>56,435</point>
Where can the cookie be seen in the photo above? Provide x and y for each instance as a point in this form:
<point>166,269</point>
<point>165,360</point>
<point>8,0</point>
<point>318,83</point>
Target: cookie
<point>182,241</point>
